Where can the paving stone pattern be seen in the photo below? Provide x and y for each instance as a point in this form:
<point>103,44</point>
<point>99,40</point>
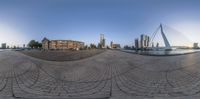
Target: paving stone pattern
<point>111,74</point>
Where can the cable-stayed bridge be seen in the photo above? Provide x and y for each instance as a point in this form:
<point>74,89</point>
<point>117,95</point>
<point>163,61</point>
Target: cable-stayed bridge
<point>168,38</point>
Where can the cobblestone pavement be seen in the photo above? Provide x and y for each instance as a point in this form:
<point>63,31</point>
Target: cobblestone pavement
<point>111,74</point>
<point>62,55</point>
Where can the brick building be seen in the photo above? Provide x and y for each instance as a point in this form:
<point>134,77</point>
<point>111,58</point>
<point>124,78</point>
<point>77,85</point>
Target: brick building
<point>61,44</point>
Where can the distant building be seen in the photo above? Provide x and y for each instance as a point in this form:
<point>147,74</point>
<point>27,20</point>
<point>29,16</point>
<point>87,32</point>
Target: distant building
<point>128,47</point>
<point>24,45</point>
<point>116,46</point>
<point>195,45</point>
<point>157,45</point>
<point>3,45</point>
<point>45,43</point>
<point>102,41</point>
<point>61,44</point>
<point>144,41</point>
<point>136,43</point>
<point>112,45</point>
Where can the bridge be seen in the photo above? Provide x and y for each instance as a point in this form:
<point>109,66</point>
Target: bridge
<point>175,37</point>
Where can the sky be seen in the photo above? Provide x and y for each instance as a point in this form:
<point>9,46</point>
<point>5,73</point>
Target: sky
<point>121,21</point>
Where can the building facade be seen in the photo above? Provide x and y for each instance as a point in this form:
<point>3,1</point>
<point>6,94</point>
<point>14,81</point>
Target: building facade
<point>137,43</point>
<point>102,41</point>
<point>61,44</point>
<point>144,41</point>
<point>195,46</point>
<point>116,46</point>
<point>112,45</point>
<point>3,45</point>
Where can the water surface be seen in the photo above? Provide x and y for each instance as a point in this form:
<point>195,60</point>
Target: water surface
<point>164,53</point>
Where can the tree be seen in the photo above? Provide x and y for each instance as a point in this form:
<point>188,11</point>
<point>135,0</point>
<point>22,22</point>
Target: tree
<point>34,44</point>
<point>93,46</point>
<point>14,47</point>
<point>40,45</point>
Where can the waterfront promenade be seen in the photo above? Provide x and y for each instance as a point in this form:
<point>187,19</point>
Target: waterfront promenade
<point>109,75</point>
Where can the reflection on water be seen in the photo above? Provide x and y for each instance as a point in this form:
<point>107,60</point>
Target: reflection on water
<point>160,53</point>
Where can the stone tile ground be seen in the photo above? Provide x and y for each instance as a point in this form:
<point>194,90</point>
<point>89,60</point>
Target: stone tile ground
<point>111,74</point>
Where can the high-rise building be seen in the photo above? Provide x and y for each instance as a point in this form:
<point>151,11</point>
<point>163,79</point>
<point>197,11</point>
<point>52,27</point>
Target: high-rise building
<point>195,45</point>
<point>111,43</point>
<point>3,45</point>
<point>144,41</point>
<point>136,43</point>
<point>102,40</point>
<point>24,46</point>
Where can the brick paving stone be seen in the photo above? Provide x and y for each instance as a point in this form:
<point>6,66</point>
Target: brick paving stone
<point>112,74</point>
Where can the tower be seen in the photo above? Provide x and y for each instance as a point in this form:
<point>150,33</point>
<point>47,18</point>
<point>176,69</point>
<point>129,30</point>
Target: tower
<point>111,44</point>
<point>167,45</point>
<point>136,43</point>
<point>144,41</point>
<point>102,40</point>
<point>166,42</point>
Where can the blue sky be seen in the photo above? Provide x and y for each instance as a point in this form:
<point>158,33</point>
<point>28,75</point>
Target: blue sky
<point>119,20</point>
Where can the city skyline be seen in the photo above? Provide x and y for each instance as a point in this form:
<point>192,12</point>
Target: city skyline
<point>120,21</point>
